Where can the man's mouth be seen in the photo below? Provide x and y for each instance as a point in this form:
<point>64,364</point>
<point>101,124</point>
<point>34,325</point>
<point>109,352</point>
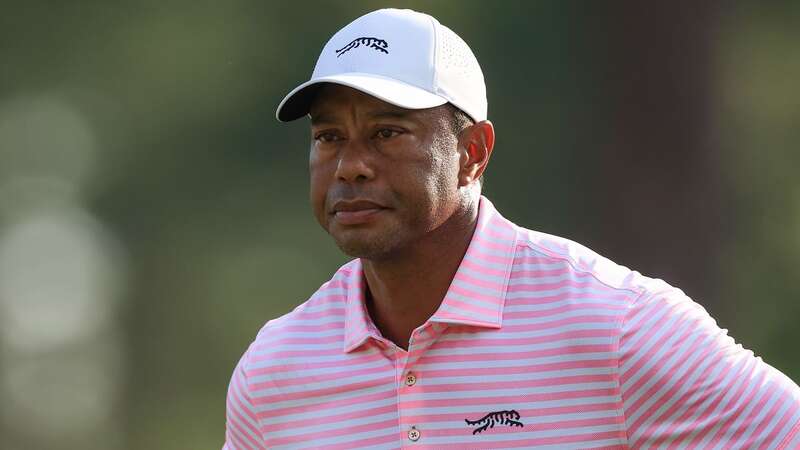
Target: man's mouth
<point>354,212</point>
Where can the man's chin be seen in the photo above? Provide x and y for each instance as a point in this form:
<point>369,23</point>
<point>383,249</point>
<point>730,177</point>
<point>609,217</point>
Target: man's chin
<point>364,246</point>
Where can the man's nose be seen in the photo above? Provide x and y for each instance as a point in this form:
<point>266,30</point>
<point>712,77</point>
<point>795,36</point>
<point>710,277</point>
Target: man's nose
<point>354,163</point>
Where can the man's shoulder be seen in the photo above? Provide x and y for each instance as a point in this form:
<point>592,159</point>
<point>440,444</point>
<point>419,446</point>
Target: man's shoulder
<point>573,273</point>
<point>322,314</point>
<point>577,262</point>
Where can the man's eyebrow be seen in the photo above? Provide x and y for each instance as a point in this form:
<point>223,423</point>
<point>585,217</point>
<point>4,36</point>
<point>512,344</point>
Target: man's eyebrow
<point>382,114</point>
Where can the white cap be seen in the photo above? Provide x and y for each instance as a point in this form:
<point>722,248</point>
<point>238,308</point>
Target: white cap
<point>400,56</point>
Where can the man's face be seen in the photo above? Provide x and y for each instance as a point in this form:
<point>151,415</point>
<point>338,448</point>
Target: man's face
<point>382,177</point>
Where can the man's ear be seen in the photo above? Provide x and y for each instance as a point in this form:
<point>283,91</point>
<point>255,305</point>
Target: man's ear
<point>476,143</point>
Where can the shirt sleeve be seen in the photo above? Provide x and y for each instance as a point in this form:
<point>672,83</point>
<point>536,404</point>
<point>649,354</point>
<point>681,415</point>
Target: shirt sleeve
<point>685,383</point>
<point>242,424</point>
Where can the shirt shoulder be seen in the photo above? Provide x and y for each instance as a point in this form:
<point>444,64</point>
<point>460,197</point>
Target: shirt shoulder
<point>330,296</point>
<point>580,261</point>
<point>320,318</point>
<point>682,379</point>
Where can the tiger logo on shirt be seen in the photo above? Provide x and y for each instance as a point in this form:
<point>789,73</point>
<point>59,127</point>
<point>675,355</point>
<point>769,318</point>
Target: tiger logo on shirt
<point>509,418</point>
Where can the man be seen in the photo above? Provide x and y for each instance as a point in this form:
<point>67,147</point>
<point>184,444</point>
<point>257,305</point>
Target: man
<point>455,328</point>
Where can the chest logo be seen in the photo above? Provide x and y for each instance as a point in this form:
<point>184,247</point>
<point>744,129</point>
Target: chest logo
<point>508,418</point>
<point>371,42</point>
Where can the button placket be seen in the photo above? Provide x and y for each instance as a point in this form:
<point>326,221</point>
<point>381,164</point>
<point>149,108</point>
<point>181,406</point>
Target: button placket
<point>421,339</point>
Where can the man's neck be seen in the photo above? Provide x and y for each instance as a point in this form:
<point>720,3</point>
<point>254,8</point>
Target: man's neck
<point>405,291</point>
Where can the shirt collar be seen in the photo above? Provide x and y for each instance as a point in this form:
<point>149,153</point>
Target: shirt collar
<point>476,295</point>
<point>358,326</point>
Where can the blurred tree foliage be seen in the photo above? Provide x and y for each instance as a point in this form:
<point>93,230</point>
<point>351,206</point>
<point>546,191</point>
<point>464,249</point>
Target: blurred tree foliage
<point>664,137</point>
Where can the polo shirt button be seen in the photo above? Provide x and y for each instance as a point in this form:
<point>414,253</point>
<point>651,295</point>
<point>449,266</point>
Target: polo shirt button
<point>411,379</point>
<point>413,434</point>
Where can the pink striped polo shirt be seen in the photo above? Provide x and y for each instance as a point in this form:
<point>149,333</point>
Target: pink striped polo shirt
<point>538,343</point>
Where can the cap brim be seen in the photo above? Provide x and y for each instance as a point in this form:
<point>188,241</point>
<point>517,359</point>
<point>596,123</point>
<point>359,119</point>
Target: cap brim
<point>297,103</point>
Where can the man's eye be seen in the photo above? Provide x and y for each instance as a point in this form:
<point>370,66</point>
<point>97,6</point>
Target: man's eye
<point>326,137</point>
<point>386,133</point>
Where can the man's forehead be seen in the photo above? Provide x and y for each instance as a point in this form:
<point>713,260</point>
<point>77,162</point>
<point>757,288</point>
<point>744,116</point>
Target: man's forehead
<point>334,99</point>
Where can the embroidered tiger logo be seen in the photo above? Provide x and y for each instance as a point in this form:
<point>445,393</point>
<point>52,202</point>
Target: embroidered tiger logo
<point>371,42</point>
<point>510,418</point>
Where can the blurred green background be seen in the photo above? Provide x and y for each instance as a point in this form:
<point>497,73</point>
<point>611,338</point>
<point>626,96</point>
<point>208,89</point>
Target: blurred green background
<point>153,214</point>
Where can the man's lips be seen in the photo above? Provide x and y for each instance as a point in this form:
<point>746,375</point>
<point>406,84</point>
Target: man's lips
<point>354,212</point>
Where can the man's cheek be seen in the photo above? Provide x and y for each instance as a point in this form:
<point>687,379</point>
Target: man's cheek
<point>317,193</point>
